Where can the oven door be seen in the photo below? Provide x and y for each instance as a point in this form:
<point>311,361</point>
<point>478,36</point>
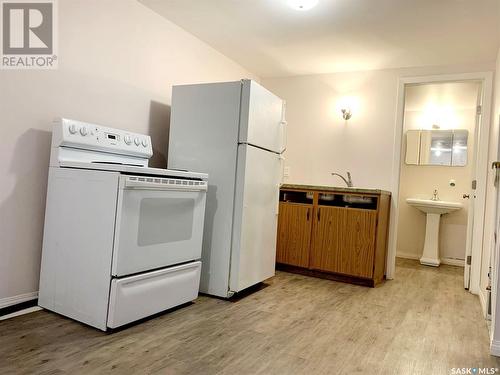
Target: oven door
<point>159,223</point>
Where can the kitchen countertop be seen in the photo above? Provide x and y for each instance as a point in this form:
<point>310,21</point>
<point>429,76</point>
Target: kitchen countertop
<point>335,188</point>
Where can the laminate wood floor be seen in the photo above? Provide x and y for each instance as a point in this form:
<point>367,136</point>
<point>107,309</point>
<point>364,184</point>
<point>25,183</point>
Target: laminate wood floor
<point>421,323</point>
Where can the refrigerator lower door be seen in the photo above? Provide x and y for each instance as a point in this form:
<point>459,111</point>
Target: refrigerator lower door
<point>253,252</point>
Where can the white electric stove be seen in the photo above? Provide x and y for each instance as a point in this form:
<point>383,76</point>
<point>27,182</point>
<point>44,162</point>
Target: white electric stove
<point>122,241</point>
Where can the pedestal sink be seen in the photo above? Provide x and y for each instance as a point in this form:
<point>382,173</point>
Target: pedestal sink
<point>434,209</point>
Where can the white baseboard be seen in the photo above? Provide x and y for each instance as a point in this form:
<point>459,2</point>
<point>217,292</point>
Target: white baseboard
<point>14,300</point>
<point>20,312</point>
<point>495,348</point>
<point>453,262</point>
<point>448,261</point>
<point>407,256</point>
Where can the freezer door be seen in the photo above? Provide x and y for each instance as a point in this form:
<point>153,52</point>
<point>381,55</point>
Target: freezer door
<point>253,250</point>
<point>262,122</point>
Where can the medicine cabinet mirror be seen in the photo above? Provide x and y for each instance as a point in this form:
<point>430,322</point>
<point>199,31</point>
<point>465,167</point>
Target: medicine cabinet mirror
<point>437,147</point>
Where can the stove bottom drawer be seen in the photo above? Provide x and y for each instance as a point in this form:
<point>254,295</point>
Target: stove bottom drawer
<point>136,297</point>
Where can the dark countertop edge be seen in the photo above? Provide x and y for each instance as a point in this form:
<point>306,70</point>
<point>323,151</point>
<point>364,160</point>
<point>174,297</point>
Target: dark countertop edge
<point>334,189</point>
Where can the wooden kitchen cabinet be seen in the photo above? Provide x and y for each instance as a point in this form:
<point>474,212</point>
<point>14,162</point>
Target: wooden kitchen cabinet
<point>344,241</point>
<point>337,234</point>
<point>294,234</point>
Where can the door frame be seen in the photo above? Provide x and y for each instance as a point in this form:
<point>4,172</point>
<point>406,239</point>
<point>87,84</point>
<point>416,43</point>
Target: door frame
<point>481,157</point>
<point>495,266</point>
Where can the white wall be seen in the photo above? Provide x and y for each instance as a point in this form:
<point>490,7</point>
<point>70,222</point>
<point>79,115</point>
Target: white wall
<point>320,141</point>
<point>117,63</point>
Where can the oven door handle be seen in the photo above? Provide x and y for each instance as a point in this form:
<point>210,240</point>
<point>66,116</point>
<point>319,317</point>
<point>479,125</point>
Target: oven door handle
<point>145,185</point>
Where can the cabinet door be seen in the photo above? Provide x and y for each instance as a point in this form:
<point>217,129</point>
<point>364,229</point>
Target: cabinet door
<point>294,234</point>
<point>344,240</point>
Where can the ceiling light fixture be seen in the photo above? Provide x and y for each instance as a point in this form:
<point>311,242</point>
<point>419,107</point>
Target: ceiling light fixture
<point>302,4</point>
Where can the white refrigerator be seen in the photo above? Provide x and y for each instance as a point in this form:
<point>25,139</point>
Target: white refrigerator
<point>235,132</point>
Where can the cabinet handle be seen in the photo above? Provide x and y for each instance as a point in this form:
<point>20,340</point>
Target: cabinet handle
<point>308,214</point>
<point>319,213</point>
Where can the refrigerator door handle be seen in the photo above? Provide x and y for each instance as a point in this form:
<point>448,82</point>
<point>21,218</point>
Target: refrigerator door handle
<point>284,128</point>
<point>282,169</point>
<point>278,200</point>
<point>284,125</point>
<point>281,177</point>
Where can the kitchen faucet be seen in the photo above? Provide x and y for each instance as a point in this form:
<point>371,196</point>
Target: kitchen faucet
<point>347,181</point>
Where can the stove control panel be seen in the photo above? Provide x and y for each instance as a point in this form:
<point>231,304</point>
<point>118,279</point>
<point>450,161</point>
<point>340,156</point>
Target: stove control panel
<point>81,135</point>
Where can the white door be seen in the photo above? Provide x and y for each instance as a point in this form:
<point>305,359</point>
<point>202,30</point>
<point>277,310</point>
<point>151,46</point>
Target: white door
<point>495,251</point>
<point>159,223</point>
<point>468,245</point>
<point>475,214</point>
<point>262,122</point>
<point>253,252</point>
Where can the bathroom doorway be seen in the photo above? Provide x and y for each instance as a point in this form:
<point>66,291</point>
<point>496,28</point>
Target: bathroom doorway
<point>439,132</point>
<point>443,137</point>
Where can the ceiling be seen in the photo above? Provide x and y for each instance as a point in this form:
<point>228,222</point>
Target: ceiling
<point>270,39</point>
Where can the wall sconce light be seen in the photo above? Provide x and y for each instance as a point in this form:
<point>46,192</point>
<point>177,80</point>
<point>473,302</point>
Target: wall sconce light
<point>346,113</point>
<point>347,105</point>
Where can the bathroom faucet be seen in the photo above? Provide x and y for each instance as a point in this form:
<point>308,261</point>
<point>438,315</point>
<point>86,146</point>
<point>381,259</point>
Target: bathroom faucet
<point>347,181</point>
<point>435,196</point>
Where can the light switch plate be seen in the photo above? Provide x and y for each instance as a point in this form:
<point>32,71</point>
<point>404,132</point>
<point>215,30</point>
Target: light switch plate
<point>286,172</point>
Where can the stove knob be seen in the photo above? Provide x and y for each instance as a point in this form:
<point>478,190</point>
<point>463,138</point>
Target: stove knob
<point>83,131</point>
<point>137,141</point>
<point>73,129</point>
<point>127,139</point>
<point>145,143</point>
